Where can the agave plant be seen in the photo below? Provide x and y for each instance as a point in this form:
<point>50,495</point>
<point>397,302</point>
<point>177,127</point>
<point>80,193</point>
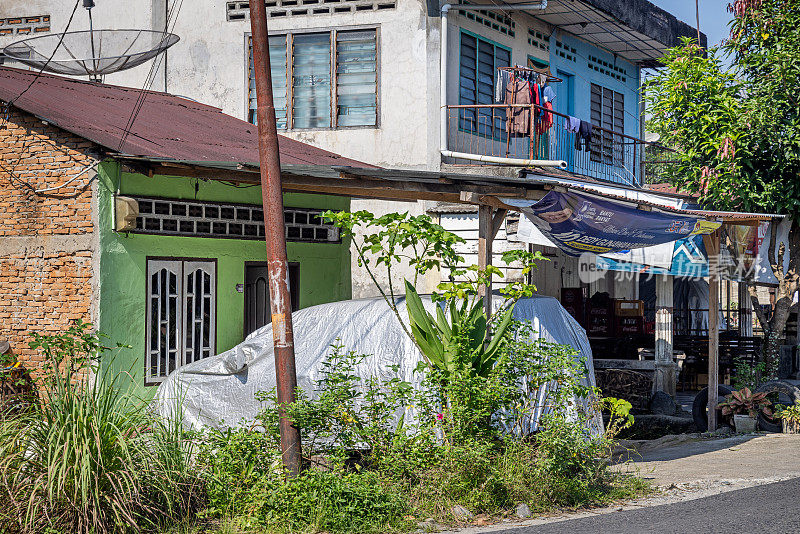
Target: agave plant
<point>457,335</point>
<point>745,401</point>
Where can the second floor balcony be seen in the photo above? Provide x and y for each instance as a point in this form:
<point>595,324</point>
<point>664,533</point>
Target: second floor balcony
<point>483,130</point>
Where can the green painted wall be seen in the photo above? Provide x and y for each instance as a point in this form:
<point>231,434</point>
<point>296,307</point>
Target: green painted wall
<point>324,268</point>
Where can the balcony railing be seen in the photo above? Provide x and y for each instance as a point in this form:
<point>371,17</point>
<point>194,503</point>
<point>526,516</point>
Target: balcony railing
<point>481,130</point>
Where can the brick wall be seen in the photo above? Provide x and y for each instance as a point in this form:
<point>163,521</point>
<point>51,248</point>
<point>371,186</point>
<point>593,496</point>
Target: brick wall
<point>47,239</point>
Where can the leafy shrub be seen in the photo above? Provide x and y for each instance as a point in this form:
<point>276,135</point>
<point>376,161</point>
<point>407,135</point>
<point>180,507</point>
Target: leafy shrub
<point>331,501</point>
<point>233,463</point>
<point>89,458</point>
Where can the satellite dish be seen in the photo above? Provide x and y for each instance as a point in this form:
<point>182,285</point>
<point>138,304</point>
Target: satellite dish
<point>652,137</point>
<point>92,53</point>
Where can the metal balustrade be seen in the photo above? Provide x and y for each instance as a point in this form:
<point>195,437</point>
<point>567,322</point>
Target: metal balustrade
<point>482,130</point>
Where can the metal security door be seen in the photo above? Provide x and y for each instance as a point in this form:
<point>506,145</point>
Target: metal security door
<point>256,294</point>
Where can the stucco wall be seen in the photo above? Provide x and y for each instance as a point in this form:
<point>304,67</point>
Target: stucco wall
<point>324,268</point>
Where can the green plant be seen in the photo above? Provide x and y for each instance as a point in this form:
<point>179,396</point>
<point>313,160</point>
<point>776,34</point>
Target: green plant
<point>233,463</point>
<point>448,341</point>
<point>747,374</point>
<point>332,501</point>
<point>790,414</point>
<point>736,135</point>
<point>88,457</point>
<point>745,401</point>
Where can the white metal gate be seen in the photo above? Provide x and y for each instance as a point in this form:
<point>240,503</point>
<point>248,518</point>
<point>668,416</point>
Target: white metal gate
<point>181,314</point>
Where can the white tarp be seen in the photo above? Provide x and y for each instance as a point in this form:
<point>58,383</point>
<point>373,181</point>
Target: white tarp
<point>220,391</point>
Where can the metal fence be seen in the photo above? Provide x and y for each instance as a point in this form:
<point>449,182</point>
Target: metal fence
<point>482,130</point>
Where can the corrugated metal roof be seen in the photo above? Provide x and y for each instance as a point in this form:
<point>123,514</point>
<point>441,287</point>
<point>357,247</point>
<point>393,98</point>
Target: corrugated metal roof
<point>167,126</point>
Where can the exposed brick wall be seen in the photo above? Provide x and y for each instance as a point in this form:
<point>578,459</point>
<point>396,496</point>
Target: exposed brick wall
<point>46,239</point>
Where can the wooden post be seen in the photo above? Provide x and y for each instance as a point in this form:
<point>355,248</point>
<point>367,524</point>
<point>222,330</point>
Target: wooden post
<point>665,379</point>
<point>489,223</point>
<point>485,238</point>
<point>712,243</point>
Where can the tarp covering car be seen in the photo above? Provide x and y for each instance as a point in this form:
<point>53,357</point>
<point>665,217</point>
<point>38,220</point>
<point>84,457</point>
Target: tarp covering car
<point>220,391</point>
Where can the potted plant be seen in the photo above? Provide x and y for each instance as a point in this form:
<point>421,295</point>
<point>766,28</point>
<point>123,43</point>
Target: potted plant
<point>790,418</point>
<point>744,406</point>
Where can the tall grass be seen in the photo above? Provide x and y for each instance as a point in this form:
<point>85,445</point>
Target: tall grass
<point>89,457</point>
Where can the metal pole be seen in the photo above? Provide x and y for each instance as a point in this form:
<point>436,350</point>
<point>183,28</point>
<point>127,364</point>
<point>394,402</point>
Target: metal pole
<point>277,263</point>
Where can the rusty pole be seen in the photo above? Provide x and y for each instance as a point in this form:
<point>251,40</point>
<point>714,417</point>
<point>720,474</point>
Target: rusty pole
<point>277,263</point>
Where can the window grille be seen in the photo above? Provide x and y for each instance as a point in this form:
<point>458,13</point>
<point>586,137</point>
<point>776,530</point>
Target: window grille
<point>24,25</point>
<point>608,111</point>
<point>567,52</point>
<point>181,314</point>
<point>538,40</point>
<point>499,22</point>
<point>161,216</point>
<point>608,68</point>
<point>321,95</point>
<point>478,63</point>
<point>239,11</point>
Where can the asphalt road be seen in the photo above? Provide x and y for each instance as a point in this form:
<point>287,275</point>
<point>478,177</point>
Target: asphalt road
<point>772,508</point>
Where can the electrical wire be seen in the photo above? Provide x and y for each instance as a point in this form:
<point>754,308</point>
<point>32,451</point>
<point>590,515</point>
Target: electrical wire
<point>172,16</point>
<point>49,59</point>
<point>12,168</point>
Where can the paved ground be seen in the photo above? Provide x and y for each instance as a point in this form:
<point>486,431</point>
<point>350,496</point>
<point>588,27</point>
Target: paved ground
<point>734,458</point>
<point>772,508</point>
<point>735,484</point>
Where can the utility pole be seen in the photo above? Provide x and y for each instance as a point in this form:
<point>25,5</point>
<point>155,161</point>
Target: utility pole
<point>697,13</point>
<point>277,263</point>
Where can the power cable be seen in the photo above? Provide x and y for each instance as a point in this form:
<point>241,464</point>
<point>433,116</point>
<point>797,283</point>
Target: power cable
<point>11,169</point>
<point>150,79</point>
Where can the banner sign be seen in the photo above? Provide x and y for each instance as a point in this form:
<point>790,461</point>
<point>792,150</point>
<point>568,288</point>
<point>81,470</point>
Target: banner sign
<point>580,223</point>
<point>688,260</point>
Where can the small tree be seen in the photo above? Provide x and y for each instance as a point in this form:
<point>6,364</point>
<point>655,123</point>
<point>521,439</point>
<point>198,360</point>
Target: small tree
<point>737,133</point>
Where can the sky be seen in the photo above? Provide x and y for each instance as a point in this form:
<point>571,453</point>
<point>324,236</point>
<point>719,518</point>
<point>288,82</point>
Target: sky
<point>714,16</point>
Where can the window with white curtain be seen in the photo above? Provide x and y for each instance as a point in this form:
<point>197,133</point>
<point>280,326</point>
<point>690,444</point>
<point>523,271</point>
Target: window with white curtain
<point>181,314</point>
<point>321,79</point>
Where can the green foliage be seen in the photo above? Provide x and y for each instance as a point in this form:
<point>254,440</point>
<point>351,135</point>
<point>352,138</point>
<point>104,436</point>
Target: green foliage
<point>332,501</point>
<point>233,463</point>
<point>737,133</point>
<point>447,341</point>
<point>89,458</point>
<point>790,414</point>
<point>747,374</point>
<point>745,401</point>
<point>620,418</point>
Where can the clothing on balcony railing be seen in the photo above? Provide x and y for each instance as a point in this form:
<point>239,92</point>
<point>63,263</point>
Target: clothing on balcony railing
<point>572,124</point>
<point>584,134</point>
<point>518,119</point>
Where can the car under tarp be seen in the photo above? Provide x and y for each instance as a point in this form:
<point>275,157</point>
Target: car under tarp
<point>220,391</point>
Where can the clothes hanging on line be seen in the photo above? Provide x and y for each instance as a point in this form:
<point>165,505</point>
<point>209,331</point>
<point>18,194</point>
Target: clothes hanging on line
<point>584,136</point>
<point>548,94</point>
<point>518,119</point>
<point>503,77</point>
<point>546,120</point>
<point>572,124</point>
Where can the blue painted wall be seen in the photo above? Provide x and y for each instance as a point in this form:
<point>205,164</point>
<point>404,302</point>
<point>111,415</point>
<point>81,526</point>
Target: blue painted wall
<point>574,56</point>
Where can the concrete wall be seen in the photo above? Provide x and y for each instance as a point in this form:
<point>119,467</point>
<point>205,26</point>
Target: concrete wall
<point>209,64</point>
<point>324,268</point>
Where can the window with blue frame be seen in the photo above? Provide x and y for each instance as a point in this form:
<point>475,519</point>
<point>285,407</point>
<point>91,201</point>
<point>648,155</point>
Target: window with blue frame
<point>322,79</point>
<point>479,60</point>
<point>607,111</point>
